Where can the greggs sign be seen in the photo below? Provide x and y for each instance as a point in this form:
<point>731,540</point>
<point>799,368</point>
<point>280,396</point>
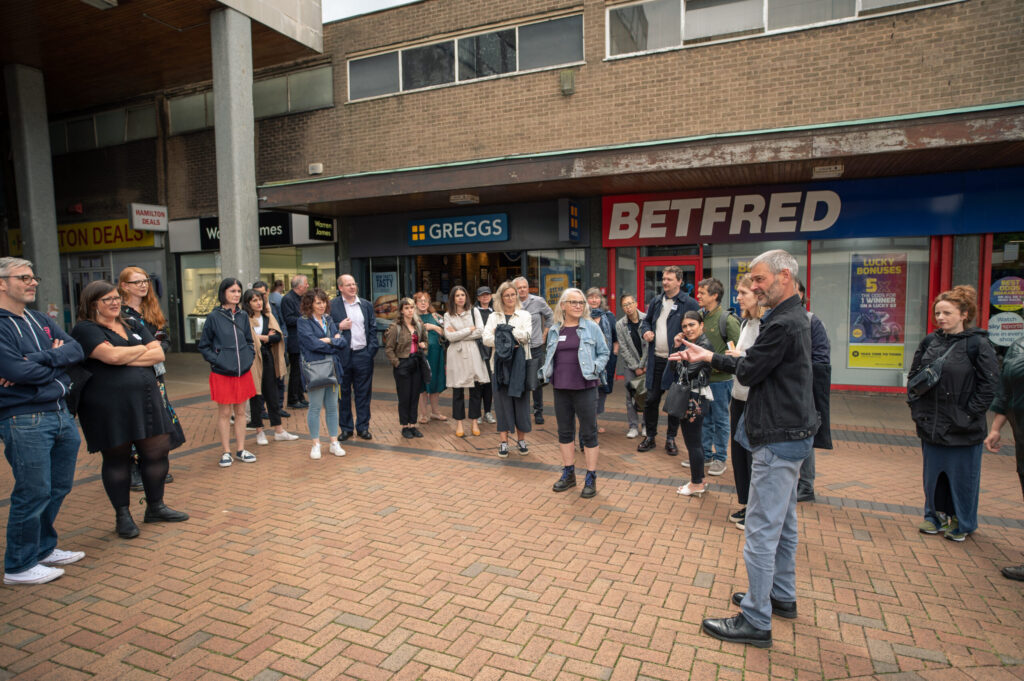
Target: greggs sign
<point>972,202</point>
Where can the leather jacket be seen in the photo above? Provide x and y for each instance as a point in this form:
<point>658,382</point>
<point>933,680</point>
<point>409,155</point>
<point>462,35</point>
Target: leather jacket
<point>777,367</point>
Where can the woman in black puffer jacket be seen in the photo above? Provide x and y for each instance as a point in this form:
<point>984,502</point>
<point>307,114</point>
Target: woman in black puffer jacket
<point>950,417</point>
<point>696,376</point>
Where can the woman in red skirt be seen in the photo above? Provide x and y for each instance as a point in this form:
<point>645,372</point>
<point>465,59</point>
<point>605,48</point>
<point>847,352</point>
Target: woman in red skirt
<point>226,343</point>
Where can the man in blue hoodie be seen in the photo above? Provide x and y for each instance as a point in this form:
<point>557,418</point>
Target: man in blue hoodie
<point>39,434</point>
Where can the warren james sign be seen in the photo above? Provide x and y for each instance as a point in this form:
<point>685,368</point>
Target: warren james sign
<point>275,229</point>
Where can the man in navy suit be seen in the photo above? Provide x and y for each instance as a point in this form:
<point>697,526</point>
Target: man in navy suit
<point>355,320</point>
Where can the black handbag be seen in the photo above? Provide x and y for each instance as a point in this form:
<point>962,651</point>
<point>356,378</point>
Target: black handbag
<point>318,373</point>
<point>425,368</point>
<point>677,400</point>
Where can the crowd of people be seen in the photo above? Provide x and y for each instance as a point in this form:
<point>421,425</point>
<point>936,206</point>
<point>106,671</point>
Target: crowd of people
<point>755,385</point>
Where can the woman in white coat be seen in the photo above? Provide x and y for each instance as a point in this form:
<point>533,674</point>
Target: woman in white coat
<point>511,398</point>
<point>465,367</point>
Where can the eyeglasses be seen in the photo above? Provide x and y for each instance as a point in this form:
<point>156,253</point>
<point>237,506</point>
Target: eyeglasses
<point>139,282</point>
<point>25,278</point>
<point>575,302</point>
<point>110,300</point>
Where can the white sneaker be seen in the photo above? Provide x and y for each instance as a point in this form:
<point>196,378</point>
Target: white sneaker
<point>284,435</point>
<point>261,438</point>
<point>336,449</point>
<point>633,432</point>
<point>246,456</point>
<point>39,574</point>
<point>225,460</point>
<point>489,417</point>
<point>58,557</point>
<point>315,452</point>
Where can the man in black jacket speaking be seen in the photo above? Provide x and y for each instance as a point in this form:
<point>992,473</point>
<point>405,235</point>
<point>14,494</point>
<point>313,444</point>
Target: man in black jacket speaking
<point>777,426</point>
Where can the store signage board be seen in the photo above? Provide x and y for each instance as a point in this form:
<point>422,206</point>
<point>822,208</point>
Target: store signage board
<point>461,229</point>
<point>147,217</point>
<point>321,229</point>
<point>950,203</point>
<point>101,235</point>
<point>275,229</point>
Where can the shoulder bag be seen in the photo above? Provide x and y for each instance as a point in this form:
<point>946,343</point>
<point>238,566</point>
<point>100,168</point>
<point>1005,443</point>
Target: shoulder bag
<point>928,377</point>
<point>318,373</point>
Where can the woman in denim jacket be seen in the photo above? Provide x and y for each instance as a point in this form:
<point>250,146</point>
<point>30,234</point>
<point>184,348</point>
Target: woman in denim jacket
<point>576,355</point>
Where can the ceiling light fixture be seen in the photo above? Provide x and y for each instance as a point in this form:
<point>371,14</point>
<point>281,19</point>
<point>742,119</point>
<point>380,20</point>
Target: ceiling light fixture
<point>101,4</point>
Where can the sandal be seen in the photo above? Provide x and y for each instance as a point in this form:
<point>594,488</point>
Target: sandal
<point>424,419</point>
<point>459,432</point>
<point>439,417</point>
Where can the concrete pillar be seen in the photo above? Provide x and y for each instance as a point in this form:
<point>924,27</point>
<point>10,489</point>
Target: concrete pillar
<point>231,38</point>
<point>33,176</point>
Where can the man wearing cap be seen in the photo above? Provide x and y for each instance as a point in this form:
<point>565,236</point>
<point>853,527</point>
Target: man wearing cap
<point>483,304</point>
<point>354,316</point>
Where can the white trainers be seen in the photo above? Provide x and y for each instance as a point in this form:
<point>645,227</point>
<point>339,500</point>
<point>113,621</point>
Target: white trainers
<point>284,435</point>
<point>246,456</point>
<point>315,452</point>
<point>58,557</point>
<point>632,433</point>
<point>225,460</point>
<point>336,449</point>
<point>489,417</point>
<point>261,438</point>
<point>38,574</point>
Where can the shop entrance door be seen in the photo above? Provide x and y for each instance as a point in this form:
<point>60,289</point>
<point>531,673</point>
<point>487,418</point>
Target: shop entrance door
<point>649,271</point>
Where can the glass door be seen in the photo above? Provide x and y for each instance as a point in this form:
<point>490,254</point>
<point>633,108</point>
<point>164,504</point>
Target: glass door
<point>649,270</point>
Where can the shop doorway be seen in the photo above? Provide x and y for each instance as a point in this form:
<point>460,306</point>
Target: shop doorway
<point>82,270</point>
<point>648,280</point>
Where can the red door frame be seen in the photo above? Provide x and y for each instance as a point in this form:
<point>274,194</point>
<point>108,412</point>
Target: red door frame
<point>697,261</point>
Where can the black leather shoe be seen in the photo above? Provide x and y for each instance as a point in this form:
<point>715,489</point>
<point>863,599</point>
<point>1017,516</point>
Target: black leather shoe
<point>646,445</point>
<point>1014,572</point>
<point>125,526</point>
<point>670,446</point>
<point>805,495</point>
<point>406,433</point>
<point>567,481</point>
<point>737,630</point>
<point>416,432</point>
<point>779,608</point>
<point>538,419</point>
<point>283,414</point>
<point>346,434</point>
<point>169,479</point>
<point>159,513</point>
<point>365,434</point>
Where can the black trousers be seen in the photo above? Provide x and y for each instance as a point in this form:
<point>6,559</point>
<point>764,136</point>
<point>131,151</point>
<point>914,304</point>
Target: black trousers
<point>267,396</point>
<point>692,436</point>
<point>408,384</point>
<point>741,461</point>
<point>537,361</point>
<point>485,395</point>
<point>295,394</point>
<point>573,405</point>
<point>459,402</point>
<point>652,409</point>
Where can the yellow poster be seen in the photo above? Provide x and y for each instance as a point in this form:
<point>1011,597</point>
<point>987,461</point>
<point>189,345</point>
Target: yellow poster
<point>875,356</point>
<point>102,235</point>
<point>554,284</point>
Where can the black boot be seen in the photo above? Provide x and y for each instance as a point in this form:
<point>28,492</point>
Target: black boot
<point>160,513</point>
<point>136,480</point>
<point>125,526</point>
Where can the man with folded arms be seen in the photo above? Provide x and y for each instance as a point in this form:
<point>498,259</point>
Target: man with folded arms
<point>777,426</point>
<point>39,434</point>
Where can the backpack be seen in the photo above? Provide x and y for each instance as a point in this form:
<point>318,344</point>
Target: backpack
<point>723,322</point>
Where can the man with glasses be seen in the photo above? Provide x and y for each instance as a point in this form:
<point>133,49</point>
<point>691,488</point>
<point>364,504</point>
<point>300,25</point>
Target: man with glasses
<point>290,311</point>
<point>39,434</point>
<point>354,316</point>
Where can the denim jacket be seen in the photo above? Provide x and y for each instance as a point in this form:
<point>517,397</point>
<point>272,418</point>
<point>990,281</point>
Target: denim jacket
<point>593,352</point>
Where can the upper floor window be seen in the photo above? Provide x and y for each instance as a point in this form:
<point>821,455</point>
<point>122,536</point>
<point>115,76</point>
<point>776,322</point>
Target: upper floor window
<point>665,24</point>
<point>523,48</point>
<point>104,129</point>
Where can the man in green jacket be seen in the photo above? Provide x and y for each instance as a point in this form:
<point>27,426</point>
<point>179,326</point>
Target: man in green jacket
<point>720,331</point>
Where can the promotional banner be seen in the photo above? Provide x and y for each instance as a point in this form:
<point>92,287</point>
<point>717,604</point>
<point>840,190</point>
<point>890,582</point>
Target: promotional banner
<point>1007,294</point>
<point>385,296</point>
<point>1005,328</point>
<point>878,291</point>
<point>554,281</point>
<point>737,268</point>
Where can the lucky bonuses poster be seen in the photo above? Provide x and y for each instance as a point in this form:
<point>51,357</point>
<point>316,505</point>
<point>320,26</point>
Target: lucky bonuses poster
<point>878,293</point>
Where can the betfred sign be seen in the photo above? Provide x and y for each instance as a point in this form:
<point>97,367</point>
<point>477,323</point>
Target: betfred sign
<point>694,217</point>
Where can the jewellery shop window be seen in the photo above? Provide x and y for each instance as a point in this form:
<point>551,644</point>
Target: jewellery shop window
<point>200,277</point>
<point>551,272</point>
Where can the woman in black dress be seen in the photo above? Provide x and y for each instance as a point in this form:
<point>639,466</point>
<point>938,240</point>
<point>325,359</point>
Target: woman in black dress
<point>121,404</point>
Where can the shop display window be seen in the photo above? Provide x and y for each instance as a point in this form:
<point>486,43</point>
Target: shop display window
<point>551,272</point>
<point>1006,291</point>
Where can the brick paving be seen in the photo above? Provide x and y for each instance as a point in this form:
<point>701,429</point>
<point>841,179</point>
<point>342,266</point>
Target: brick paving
<point>434,559</point>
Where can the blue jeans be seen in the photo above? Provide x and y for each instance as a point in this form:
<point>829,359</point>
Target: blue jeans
<point>326,397</point>
<point>357,382</point>
<point>716,423</point>
<point>42,449</point>
<point>771,535</point>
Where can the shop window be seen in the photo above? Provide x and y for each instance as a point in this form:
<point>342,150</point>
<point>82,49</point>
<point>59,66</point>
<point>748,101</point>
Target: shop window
<point>1006,292</point>
<point>490,54</point>
<point>787,13</point>
<point>728,262</point>
<point>200,277</point>
<point>551,43</point>
<point>428,65</point>
<point>647,26</point>
<point>373,76</point>
<point>551,272</point>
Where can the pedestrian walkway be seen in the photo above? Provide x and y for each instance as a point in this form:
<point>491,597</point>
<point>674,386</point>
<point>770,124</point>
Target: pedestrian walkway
<point>434,559</point>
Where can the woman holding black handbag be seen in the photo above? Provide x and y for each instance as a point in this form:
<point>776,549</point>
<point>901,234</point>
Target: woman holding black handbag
<point>406,350</point>
<point>950,414</point>
<point>687,400</point>
<point>319,340</point>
